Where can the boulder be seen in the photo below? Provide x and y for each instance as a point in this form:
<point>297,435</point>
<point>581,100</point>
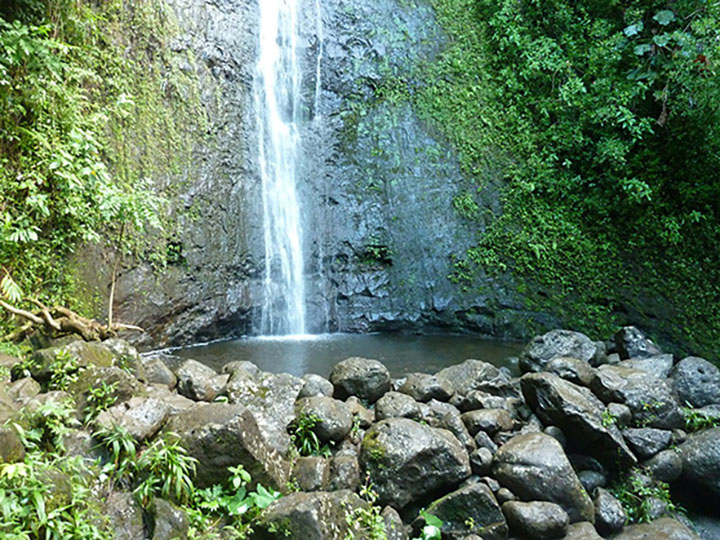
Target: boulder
<point>650,399</point>
<point>157,372</point>
<point>700,455</point>
<point>168,522</point>
<point>126,357</point>
<point>221,435</point>
<point>311,473</point>
<point>481,461</point>
<point>141,417</point>
<point>592,480</point>
<point>394,527</point>
<point>571,369</point>
<point>423,387</point>
<point>334,420</point>
<point>666,466</point>
<point>395,446</point>
<point>85,354</point>
<point>696,381</point>
<point>443,415</point>
<point>315,385</point>
<point>535,467</point>
<point>630,342</point>
<point>470,509</point>
<point>11,446</point>
<point>660,529</point>
<point>577,412</point>
<point>362,415</point>
<point>537,520</point>
<point>271,399</point>
<point>610,515</point>
<point>310,516</point>
<point>658,366</point>
<point>619,414</point>
<point>397,405</point>
<point>477,399</point>
<point>491,421</point>
<point>126,386</point>
<point>582,531</point>
<point>361,377</point>
<point>198,381</point>
<point>477,375</point>
<point>555,344</point>
<point>124,516</point>
<point>344,473</point>
<point>646,442</point>
<point>23,390</point>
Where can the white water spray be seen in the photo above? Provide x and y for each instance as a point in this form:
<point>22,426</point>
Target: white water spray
<point>278,107</point>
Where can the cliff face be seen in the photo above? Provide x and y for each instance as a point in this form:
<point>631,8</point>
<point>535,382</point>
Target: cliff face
<point>376,185</point>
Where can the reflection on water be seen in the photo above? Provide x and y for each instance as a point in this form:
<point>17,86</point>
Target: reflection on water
<point>402,354</point>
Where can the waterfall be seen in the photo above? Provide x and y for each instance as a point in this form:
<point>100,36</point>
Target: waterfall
<point>278,107</point>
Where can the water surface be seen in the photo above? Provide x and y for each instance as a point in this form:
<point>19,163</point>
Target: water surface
<point>402,354</point>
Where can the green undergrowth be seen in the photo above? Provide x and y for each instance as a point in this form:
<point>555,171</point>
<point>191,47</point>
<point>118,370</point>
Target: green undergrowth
<point>97,113</point>
<point>604,119</point>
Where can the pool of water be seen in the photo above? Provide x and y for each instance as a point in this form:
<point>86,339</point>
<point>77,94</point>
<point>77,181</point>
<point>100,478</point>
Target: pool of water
<point>401,354</point>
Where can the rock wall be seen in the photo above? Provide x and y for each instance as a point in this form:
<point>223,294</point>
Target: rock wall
<point>377,188</point>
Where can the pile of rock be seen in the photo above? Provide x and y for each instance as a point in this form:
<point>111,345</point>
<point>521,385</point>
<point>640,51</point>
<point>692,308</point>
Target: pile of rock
<point>491,454</point>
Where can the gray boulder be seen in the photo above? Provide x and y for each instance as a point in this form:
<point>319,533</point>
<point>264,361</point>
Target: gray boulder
<point>315,385</point>
<point>650,399</point>
<point>666,466</point>
<point>571,369</point>
<point>168,521</point>
<point>477,375</point>
<point>141,417</point>
<point>361,377</point>
<point>537,520</point>
<point>576,411</point>
<point>124,516</point>
<point>11,446</point>
<point>696,382</point>
<point>443,415</point>
<point>310,516</point>
<point>311,473</point>
<point>126,356</point>
<point>630,342</point>
<point>23,390</point>
<point>394,527</point>
<point>646,442</point>
<point>397,445</point>
<point>344,473</point>
<point>271,399</point>
<point>85,354</point>
<point>660,529</point>
<point>582,531</point>
<point>423,387</point>
<point>610,515</point>
<point>481,461</point>
<point>555,344</point>
<point>592,480</point>
<point>125,386</point>
<point>700,455</point>
<point>397,405</point>
<point>157,372</point>
<point>535,467</point>
<point>221,435</point>
<point>470,509</point>
<point>334,420</point>
<point>491,421</point>
<point>658,366</point>
<point>198,382</point>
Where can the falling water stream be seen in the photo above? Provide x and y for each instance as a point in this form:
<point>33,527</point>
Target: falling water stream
<point>278,107</point>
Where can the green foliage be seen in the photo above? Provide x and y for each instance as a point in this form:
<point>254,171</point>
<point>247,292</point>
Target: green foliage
<point>165,469</point>
<point>34,505</point>
<point>602,119</point>
<point>432,529</point>
<point>63,371</point>
<point>44,427</point>
<point>697,420</point>
<point>122,451</point>
<point>95,113</point>
<point>305,440</point>
<point>100,398</point>
<point>232,502</point>
<point>635,491</point>
<point>608,418</point>
<point>366,522</point>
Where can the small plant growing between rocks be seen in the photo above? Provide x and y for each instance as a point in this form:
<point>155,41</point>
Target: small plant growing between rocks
<point>696,420</point>
<point>63,371</point>
<point>166,470</point>
<point>305,440</point>
<point>608,418</point>
<point>433,527</point>
<point>100,398</point>
<point>47,425</point>
<point>366,522</point>
<point>636,492</point>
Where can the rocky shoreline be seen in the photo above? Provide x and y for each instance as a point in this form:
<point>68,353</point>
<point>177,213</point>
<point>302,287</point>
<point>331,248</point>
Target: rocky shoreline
<point>591,437</point>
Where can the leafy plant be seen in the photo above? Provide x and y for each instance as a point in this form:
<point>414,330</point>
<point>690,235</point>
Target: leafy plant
<point>63,371</point>
<point>366,522</point>
<point>122,452</point>
<point>696,420</point>
<point>165,469</point>
<point>305,439</point>
<point>608,418</point>
<point>432,529</point>
<point>100,398</point>
<point>47,424</point>
<point>635,491</point>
